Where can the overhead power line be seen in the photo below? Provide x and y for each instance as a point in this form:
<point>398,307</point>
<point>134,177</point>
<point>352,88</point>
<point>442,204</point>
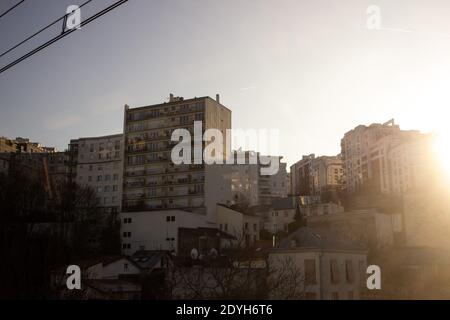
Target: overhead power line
<point>62,35</point>
<point>12,8</point>
<point>38,32</point>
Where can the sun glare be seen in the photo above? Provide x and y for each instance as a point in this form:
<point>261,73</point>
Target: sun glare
<point>442,149</point>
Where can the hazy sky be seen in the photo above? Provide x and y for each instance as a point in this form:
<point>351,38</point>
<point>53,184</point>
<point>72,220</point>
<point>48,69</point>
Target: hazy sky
<point>309,68</point>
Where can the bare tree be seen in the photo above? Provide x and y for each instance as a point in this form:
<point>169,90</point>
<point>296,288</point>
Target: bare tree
<point>241,274</point>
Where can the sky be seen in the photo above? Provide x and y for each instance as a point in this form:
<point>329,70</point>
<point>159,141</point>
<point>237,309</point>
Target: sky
<point>311,69</point>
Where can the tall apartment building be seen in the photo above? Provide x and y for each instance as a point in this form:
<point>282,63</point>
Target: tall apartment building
<point>313,176</point>
<point>249,186</point>
<point>151,180</point>
<point>98,162</point>
<point>385,158</point>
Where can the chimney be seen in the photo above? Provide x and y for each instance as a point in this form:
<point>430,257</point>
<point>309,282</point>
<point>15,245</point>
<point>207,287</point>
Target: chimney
<point>171,97</point>
<point>218,98</point>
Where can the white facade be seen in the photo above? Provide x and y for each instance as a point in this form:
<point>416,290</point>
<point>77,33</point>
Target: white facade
<point>277,220</point>
<point>327,274</point>
<point>245,228</point>
<point>157,230</point>
<point>100,166</point>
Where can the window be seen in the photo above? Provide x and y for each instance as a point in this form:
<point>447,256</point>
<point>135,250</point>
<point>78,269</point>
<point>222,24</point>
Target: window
<point>99,178</point>
<point>310,271</point>
<point>334,271</point>
<point>90,167</point>
<point>246,226</point>
<point>350,295</point>
<point>125,266</point>
<point>335,296</point>
<point>255,227</point>
<point>126,234</point>
<point>107,177</point>
<point>172,218</point>
<point>226,226</point>
<point>116,176</point>
<point>90,178</point>
<point>115,188</point>
<point>126,220</point>
<point>349,271</point>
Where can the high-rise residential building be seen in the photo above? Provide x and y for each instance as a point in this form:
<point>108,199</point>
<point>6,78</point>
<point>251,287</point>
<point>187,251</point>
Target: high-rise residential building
<point>98,162</point>
<point>249,186</point>
<point>301,175</point>
<point>384,158</point>
<point>326,175</point>
<point>314,176</point>
<point>151,180</point>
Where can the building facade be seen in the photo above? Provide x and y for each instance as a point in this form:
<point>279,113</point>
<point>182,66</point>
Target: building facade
<point>315,176</point>
<point>385,159</point>
<point>97,162</point>
<point>151,180</point>
<point>331,268</point>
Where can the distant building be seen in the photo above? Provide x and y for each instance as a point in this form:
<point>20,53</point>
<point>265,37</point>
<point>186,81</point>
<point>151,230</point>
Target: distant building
<point>280,214</point>
<point>333,267</point>
<point>369,228</point>
<point>97,162</point>
<point>243,226</point>
<point>157,230</point>
<point>315,176</point>
<point>250,187</point>
<point>385,159</point>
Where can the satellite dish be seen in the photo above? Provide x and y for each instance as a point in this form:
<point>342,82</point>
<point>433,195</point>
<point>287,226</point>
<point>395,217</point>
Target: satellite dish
<point>194,254</point>
<point>213,252</point>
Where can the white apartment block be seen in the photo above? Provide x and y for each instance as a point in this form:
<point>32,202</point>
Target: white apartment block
<point>385,158</point>
<point>99,164</point>
<point>157,230</point>
<point>152,181</point>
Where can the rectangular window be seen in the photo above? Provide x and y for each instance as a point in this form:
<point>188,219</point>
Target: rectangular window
<point>334,271</point>
<point>349,275</point>
<point>310,271</point>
